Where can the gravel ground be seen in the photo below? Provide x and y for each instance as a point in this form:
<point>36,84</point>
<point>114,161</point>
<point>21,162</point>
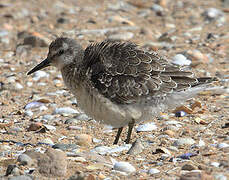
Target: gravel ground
<point>45,135</point>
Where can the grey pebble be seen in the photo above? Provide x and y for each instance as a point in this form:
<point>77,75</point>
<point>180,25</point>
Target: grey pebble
<point>122,36</point>
<point>184,141</point>
<point>181,60</point>
<point>153,171</point>
<point>124,167</point>
<point>21,177</point>
<point>65,147</point>
<point>24,159</point>
<point>220,177</point>
<point>71,121</point>
<point>136,148</point>
<point>65,110</point>
<point>35,41</point>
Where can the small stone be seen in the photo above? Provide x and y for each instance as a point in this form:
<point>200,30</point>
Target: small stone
<point>65,110</point>
<point>12,169</point>
<point>223,145</point>
<point>215,164</point>
<point>47,141</point>
<point>21,177</point>
<point>184,141</point>
<point>124,167</point>
<point>82,117</point>
<point>24,160</point>
<point>33,105</point>
<point>65,147</point>
<point>169,132</point>
<point>180,114</point>
<point>40,74</point>
<point>18,86</point>
<point>28,113</point>
<point>53,162</point>
<point>49,127</point>
<point>220,177</point>
<point>188,167</point>
<point>35,126</point>
<point>158,9</point>
<point>153,171</point>
<point>181,60</point>
<point>196,176</point>
<point>35,41</point>
<point>75,128</point>
<point>71,121</point>
<point>136,148</point>
<point>83,139</point>
<point>213,14</point>
<point>122,36</point>
<point>147,127</point>
<point>78,176</point>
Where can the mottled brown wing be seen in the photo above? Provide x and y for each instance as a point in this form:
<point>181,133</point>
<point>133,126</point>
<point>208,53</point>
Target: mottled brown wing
<point>125,74</point>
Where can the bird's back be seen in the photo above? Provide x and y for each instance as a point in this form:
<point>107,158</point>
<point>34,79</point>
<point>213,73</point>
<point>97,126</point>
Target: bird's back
<point>125,74</point>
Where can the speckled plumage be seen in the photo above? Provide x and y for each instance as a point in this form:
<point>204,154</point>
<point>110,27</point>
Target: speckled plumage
<point>119,84</point>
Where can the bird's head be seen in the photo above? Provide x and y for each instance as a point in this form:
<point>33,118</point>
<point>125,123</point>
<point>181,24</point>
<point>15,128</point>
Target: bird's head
<point>62,51</point>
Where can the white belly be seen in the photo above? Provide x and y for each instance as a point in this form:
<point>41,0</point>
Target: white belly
<point>103,110</point>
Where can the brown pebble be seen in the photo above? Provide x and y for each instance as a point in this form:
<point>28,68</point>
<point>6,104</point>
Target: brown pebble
<point>35,126</point>
<point>196,176</point>
<point>169,132</point>
<point>188,167</point>
<point>83,139</point>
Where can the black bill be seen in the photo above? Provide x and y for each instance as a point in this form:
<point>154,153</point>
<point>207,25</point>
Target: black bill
<point>40,66</point>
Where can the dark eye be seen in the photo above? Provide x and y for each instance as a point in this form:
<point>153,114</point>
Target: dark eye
<point>60,52</point>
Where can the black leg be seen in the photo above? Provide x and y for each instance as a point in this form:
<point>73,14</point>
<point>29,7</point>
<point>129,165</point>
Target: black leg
<point>118,135</point>
<point>130,125</point>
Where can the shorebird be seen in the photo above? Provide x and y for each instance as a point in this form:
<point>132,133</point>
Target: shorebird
<point>119,84</point>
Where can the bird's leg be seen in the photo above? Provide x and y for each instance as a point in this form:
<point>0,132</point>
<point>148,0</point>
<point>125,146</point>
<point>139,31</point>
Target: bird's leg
<point>118,135</point>
<point>130,125</point>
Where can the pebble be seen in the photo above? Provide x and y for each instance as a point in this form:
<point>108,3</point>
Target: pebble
<point>21,177</point>
<point>65,147</point>
<point>40,74</point>
<point>122,36</point>
<point>158,9</point>
<point>48,117</point>
<point>53,163</point>
<point>24,159</point>
<point>82,117</point>
<point>147,127</point>
<point>220,177</point>
<point>215,164</point>
<point>75,128</point>
<point>29,113</point>
<point>196,176</point>
<point>184,141</point>
<point>181,60</point>
<point>34,104</point>
<point>35,41</point>
<point>47,141</point>
<point>188,167</point>
<point>223,145</point>
<point>136,148</point>
<point>83,139</point>
<point>18,86</point>
<point>124,167</point>
<point>180,114</point>
<point>153,171</point>
<point>49,127</point>
<point>213,14</point>
<point>72,121</point>
<point>12,169</point>
<point>34,126</point>
<point>65,110</point>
